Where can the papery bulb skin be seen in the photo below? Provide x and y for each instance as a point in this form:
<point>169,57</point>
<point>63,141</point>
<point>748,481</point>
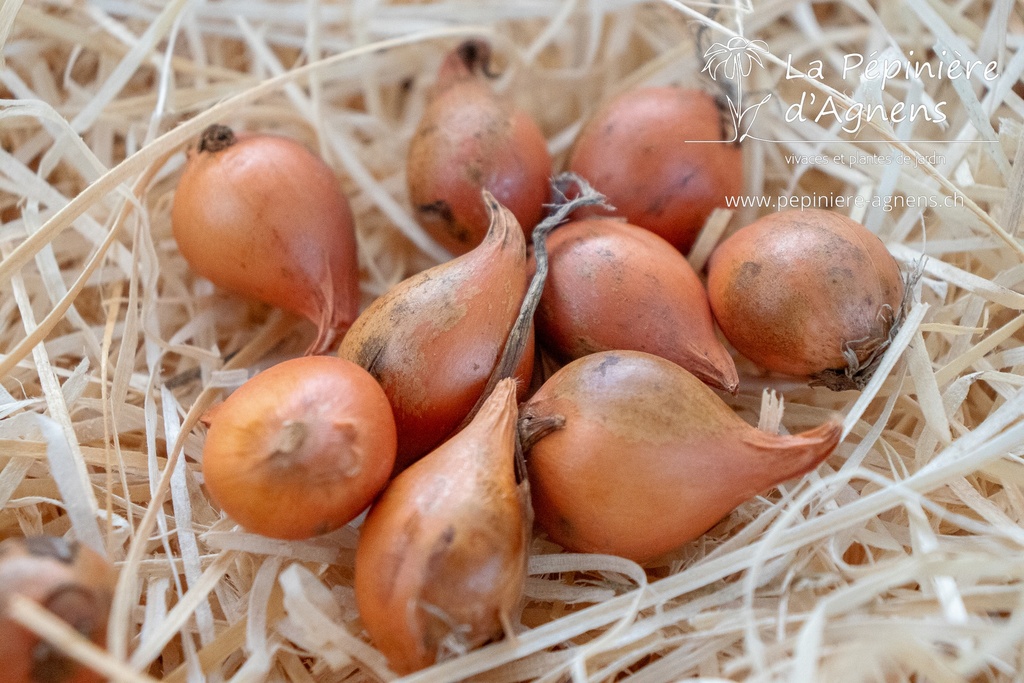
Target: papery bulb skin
<point>660,156</point>
<point>441,560</point>
<point>804,292</point>
<point>301,448</point>
<point>433,340</point>
<point>73,582</point>
<point>645,457</point>
<point>265,218</point>
<point>615,286</point>
<point>471,140</point>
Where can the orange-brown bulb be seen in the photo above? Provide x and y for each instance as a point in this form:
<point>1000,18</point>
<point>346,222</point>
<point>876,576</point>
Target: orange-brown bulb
<point>471,140</point>
<point>441,558</point>
<point>301,448</point>
<point>636,456</point>
<point>612,285</point>
<point>263,217</point>
<point>434,339</point>
<point>805,292</point>
<point>659,156</point>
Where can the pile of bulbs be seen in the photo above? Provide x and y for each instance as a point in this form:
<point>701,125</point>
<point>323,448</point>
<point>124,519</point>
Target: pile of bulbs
<point>429,413</point>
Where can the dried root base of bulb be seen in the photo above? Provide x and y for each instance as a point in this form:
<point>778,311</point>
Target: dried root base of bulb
<point>216,137</point>
<point>857,373</point>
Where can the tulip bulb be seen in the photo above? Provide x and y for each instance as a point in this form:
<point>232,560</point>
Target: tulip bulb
<point>442,555</point>
<point>433,340</point>
<point>661,157</point>
<point>470,140</point>
<point>262,216</point>
<point>630,454</point>
<point>301,448</point>
<point>808,293</point>
<point>613,285</point>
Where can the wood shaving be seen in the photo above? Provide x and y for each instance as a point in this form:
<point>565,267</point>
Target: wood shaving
<point>896,560</point>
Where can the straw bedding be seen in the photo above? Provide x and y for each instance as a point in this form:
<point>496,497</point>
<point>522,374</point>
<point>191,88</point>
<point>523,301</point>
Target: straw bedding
<point>899,559</point>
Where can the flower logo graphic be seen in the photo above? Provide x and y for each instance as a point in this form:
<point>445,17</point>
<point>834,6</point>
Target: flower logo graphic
<point>735,60</point>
